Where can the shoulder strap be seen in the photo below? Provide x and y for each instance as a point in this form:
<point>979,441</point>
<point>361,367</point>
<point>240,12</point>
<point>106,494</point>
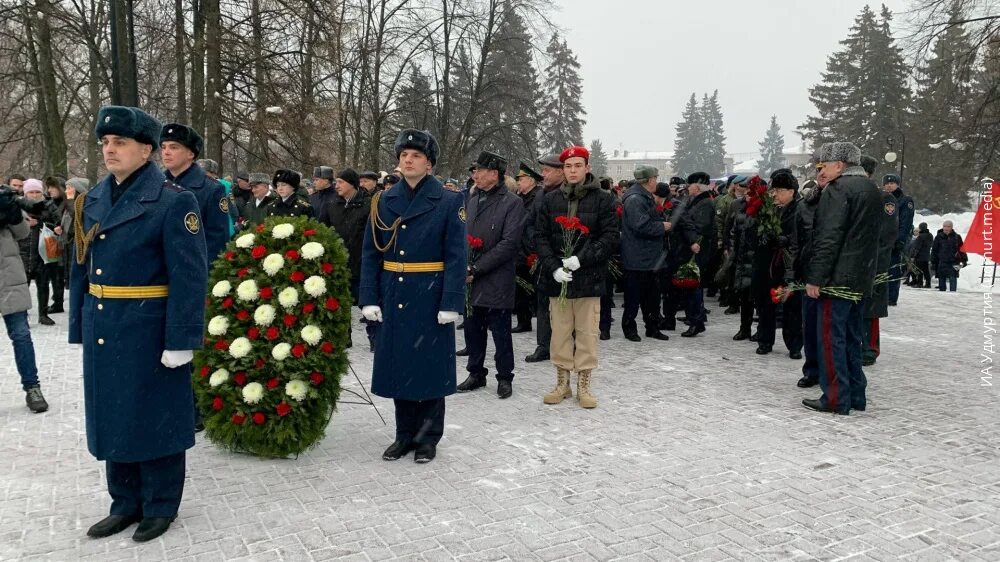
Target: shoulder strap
<point>81,239</point>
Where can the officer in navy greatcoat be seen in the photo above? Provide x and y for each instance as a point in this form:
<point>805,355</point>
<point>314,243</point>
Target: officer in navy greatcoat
<point>413,268</point>
<point>180,145</point>
<point>904,209</point>
<point>137,303</point>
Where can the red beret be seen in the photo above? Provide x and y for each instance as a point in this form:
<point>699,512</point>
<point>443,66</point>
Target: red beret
<point>575,152</point>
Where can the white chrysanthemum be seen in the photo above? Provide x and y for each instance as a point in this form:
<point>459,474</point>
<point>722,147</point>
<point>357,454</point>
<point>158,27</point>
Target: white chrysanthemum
<point>315,286</point>
<point>282,231</point>
<point>297,390</point>
<point>245,241</point>
<point>247,291</point>
<point>312,250</point>
<point>288,297</point>
<point>218,378</point>
<point>222,288</point>
<point>253,392</point>
<point>281,351</point>
<point>273,264</point>
<point>312,334</point>
<point>240,348</point>
<point>218,325</point>
<point>264,315</point>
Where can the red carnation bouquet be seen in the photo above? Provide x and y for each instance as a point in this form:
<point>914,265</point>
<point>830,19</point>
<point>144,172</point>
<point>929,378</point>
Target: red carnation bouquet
<point>572,230</point>
<point>760,205</point>
<point>475,250</point>
<point>688,276</point>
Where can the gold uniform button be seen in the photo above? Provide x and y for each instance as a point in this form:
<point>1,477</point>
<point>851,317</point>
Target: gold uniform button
<point>98,271</point>
<point>100,307</point>
<point>103,236</point>
<point>100,341</point>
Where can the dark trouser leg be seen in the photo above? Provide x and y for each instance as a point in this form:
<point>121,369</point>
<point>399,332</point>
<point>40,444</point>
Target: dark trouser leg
<point>942,281</point>
<point>810,338</point>
<point>162,485</point>
<point>605,320</point>
<point>407,420</point>
<point>858,382</point>
<point>896,269</point>
<point>55,274</point>
<point>745,300</point>
<point>522,305</point>
<point>668,311</point>
<point>498,321</point>
<point>633,288</point>
<point>475,341</point>
<point>953,281</point>
<point>925,272</point>
<point>543,332</point>
<point>834,320</point>
<point>791,324</point>
<point>24,350</point>
<point>695,308</point>
<point>428,421</point>
<point>766,325</point>
<point>125,487</point>
<point>870,339</point>
<point>649,300</point>
<point>42,289</point>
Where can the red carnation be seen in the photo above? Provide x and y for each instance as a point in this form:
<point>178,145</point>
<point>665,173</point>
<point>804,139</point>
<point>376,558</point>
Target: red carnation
<point>620,210</point>
<point>217,404</point>
<point>668,205</point>
<point>532,258</point>
<point>204,371</point>
<point>259,364</point>
<point>309,232</point>
<point>272,384</point>
<point>222,345</point>
<point>240,378</point>
<point>258,252</point>
<point>332,304</point>
<point>316,378</point>
<point>266,293</point>
<point>272,333</point>
<point>327,347</point>
<point>239,419</point>
<point>298,277</point>
<point>308,307</point>
<point>298,350</point>
<point>259,418</point>
<point>242,315</point>
<point>290,320</point>
<point>242,272</point>
<point>660,208</point>
<point>474,243</point>
<point>327,268</point>
<point>253,333</point>
<point>292,255</point>
<point>227,302</point>
<point>283,409</point>
<point>230,255</point>
<point>260,228</point>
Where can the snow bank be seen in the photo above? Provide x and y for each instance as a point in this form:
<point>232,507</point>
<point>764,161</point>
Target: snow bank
<point>968,279</point>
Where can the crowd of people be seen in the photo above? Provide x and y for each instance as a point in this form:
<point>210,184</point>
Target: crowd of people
<point>541,250</point>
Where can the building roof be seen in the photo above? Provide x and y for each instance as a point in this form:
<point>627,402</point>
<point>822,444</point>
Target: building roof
<point>650,155</point>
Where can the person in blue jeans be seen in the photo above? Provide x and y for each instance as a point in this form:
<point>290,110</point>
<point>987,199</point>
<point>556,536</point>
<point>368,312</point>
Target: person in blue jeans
<point>15,299</point>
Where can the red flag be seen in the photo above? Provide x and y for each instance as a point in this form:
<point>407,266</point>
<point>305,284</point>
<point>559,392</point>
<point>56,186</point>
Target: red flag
<point>981,231</point>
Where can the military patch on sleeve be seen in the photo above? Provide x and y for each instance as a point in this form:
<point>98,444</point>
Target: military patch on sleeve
<point>224,204</point>
<point>192,223</point>
<point>890,208</point>
<point>910,204</point>
<point>461,214</point>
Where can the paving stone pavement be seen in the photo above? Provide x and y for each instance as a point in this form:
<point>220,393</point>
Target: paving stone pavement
<point>699,450</point>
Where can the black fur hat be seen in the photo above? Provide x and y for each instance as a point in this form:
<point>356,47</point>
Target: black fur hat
<point>700,178</point>
<point>783,179</point>
<point>183,135</point>
<point>130,122</point>
<point>290,177</point>
<point>418,140</point>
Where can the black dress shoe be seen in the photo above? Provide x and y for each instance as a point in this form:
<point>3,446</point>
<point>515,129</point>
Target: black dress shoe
<point>816,404</point>
<point>56,309</point>
<point>795,354</point>
<point>424,454</point>
<point>539,355</point>
<point>754,337</point>
<point>866,362</point>
<point>152,527</point>
<point>741,335</point>
<point>397,451</point>
<point>46,321</point>
<point>519,329</point>
<point>111,525</point>
<point>763,349</point>
<point>693,331</point>
<point>471,383</point>
<point>806,382</point>
<point>504,389</point>
<point>464,352</point>
<point>732,310</point>
<point>633,337</point>
<point>657,335</point>
<point>605,335</point>
<point>667,325</point>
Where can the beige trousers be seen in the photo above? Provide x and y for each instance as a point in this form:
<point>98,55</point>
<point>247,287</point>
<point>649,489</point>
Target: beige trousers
<point>579,315</point>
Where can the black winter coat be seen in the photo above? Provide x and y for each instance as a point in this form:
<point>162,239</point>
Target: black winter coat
<point>922,246</point>
<point>349,219</point>
<point>805,215</point>
<point>252,214</point>
<point>696,224</point>
<point>293,207</point>
<point>531,200</point>
<point>945,254</point>
<point>321,201</point>
<point>846,224</point>
<point>877,305</point>
<point>497,219</point>
<point>642,232</point>
<point>743,237</point>
<point>596,210</point>
<point>51,217</point>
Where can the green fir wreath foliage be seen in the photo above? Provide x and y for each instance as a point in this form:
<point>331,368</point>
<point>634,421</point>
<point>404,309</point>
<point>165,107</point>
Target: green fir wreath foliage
<point>277,325</point>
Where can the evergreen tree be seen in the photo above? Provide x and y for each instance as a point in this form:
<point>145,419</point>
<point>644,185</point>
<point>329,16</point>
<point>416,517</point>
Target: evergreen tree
<point>864,96</point>
<point>510,91</point>
<point>986,116</point>
<point>598,158</point>
<point>713,159</point>
<point>415,102</point>
<point>690,142</point>
<point>772,149</point>
<point>562,111</point>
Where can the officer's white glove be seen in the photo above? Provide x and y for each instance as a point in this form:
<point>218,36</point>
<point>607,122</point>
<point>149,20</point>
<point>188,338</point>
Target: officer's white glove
<point>562,276</point>
<point>372,313</point>
<point>172,359</point>
<point>572,263</point>
<point>447,317</point>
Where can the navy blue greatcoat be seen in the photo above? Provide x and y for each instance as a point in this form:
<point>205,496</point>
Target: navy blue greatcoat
<point>414,355</point>
<point>137,409</point>
<point>213,204</point>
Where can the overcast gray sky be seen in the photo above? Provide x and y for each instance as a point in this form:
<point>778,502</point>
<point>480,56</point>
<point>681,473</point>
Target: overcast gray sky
<point>641,59</point>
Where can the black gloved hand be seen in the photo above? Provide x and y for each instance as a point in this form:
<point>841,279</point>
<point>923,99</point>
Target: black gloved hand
<point>10,211</point>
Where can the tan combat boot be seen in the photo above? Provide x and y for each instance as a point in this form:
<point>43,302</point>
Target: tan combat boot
<point>562,389</point>
<point>583,395</point>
